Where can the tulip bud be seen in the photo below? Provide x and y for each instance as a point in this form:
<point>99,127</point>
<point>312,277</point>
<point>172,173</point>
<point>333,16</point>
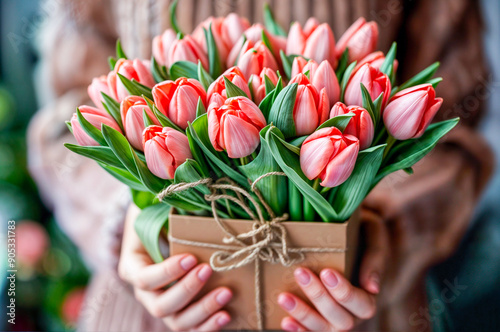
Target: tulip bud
<point>132,109</point>
<point>360,125</point>
<point>234,75</point>
<point>258,84</point>
<point>253,61</point>
<point>95,117</point>
<point>301,65</point>
<point>235,126</point>
<point>162,45</point>
<point>317,44</point>
<point>187,49</point>
<point>329,155</point>
<point>361,39</point>
<point>324,78</point>
<point>311,108</point>
<point>131,69</point>
<point>165,149</point>
<point>410,111</point>
<point>375,59</point>
<point>374,81</point>
<point>98,85</point>
<point>178,100</point>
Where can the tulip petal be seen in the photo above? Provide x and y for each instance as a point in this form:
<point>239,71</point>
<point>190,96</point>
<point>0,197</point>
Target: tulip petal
<point>178,145</point>
<point>240,137</point>
<point>159,160</point>
<point>314,156</point>
<point>340,166</point>
<point>305,112</point>
<point>402,116</point>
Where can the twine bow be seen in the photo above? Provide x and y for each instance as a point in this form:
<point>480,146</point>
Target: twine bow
<point>267,241</point>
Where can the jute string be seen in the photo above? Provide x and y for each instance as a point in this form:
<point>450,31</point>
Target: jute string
<point>267,241</point>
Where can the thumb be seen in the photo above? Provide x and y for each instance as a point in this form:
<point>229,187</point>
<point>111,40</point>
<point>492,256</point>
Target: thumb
<point>376,253</point>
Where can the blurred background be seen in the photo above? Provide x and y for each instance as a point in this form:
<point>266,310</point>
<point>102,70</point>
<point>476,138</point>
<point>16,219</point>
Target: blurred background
<point>51,277</point>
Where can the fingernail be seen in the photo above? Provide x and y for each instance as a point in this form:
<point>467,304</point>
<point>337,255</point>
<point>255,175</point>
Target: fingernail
<point>302,276</point>
<point>290,326</point>
<point>286,302</point>
<point>188,262</point>
<point>223,320</point>
<point>329,278</point>
<point>375,278</point>
<point>204,273</point>
<point>223,297</point>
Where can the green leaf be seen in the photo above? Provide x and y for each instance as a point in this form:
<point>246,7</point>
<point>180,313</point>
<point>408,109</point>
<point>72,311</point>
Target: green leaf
<point>387,66</point>
<point>70,128</point>
<point>142,199</point>
<point>215,66</point>
<point>405,154</point>
<point>113,108</point>
<point>295,204</point>
<point>200,108</point>
<point>298,141</point>
<point>287,64</point>
<point>173,17</point>
<point>147,120</point>
<point>266,103</point>
<point>344,59</point>
<point>339,122</point>
<point>290,164</point>
<point>102,154</point>
<point>269,85</point>
<point>422,77</point>
<point>120,54</point>
<point>281,114</point>
<point>183,69</point>
<point>435,81</point>
<point>199,131</point>
<point>164,121</point>
<point>204,77</point>
<point>148,226</point>
<point>345,79</point>
<point>112,62</point>
<point>273,188</point>
<point>150,181</point>
<point>191,171</point>
<point>267,42</point>
<point>232,90</point>
<point>92,131</point>
<point>271,25</point>
<point>135,88</point>
<point>125,177</point>
<point>159,72</point>
<point>368,104</point>
<point>121,148</point>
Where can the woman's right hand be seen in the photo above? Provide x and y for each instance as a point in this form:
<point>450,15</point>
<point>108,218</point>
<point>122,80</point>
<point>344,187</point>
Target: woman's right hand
<point>174,305</point>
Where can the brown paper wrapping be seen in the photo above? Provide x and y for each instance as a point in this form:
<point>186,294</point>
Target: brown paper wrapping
<point>275,278</point>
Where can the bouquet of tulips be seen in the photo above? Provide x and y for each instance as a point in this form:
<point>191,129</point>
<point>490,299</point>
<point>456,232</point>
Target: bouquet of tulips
<point>311,124</point>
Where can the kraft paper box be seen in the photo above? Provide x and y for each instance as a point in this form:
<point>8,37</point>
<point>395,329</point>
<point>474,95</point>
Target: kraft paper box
<point>275,278</point>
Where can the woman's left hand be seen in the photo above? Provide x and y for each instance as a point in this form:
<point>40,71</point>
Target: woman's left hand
<point>337,304</point>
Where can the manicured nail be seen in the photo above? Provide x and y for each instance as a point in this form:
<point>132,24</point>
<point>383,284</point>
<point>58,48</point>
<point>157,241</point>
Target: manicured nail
<point>188,262</point>
<point>223,297</point>
<point>329,278</point>
<point>375,281</point>
<point>290,326</point>
<point>302,276</point>
<point>223,320</point>
<point>204,273</point>
<point>286,302</point>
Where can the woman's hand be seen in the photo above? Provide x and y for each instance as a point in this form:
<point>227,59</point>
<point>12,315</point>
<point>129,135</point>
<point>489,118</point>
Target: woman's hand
<point>337,304</point>
<point>174,304</point>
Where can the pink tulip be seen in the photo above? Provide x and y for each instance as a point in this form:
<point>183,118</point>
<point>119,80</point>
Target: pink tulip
<point>311,108</point>
<point>218,87</point>
<point>32,242</point>
<point>131,110</point>
<point>361,39</point>
<point>324,78</point>
<point>316,43</point>
<point>410,111</point>
<point>360,125</point>
<point>253,61</point>
<point>165,149</point>
<point>178,100</point>
<point>95,117</point>
<point>301,65</point>
<point>249,38</point>
<point>259,86</point>
<point>98,85</point>
<point>329,155</point>
<point>162,45</point>
<point>226,31</point>
<point>131,69</point>
<point>235,126</point>
<point>374,81</point>
<point>187,49</point>
<point>375,59</point>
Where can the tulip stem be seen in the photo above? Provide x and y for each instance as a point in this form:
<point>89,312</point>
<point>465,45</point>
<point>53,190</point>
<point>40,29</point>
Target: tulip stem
<point>309,212</point>
<point>244,161</point>
<point>390,142</point>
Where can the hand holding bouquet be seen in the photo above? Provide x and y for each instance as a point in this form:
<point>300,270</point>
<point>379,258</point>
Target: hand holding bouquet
<point>246,123</point>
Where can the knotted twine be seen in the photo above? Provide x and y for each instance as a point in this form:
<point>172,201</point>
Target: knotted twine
<point>268,238</point>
